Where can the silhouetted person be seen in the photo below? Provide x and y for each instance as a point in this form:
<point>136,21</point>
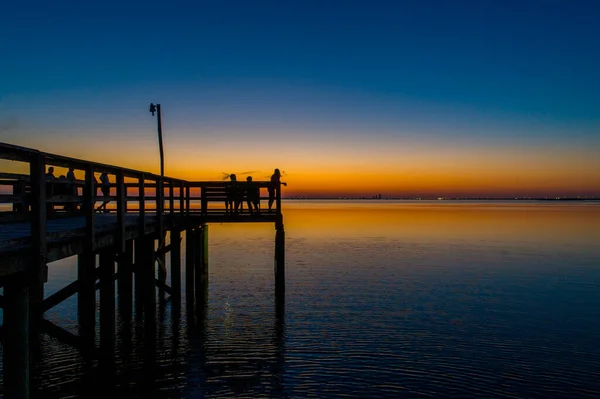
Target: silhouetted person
<point>105,187</point>
<point>252,195</point>
<point>231,194</point>
<point>50,174</point>
<point>273,184</point>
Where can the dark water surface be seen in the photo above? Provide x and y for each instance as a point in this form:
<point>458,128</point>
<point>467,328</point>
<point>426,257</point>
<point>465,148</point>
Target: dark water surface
<point>383,299</point>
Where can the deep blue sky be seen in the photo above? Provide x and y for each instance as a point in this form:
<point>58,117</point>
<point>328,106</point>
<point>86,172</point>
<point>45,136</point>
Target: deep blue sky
<point>484,71</point>
<point>530,57</point>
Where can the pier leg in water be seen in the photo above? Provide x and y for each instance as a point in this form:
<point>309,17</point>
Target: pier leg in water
<point>149,284</point>
<point>36,298</point>
<point>162,266</point>
<point>17,356</point>
<point>201,262</point>
<point>279,259</point>
<point>107,304</point>
<point>125,280</point>
<point>176,267</point>
<point>86,299</point>
<point>189,267</point>
<point>139,274</point>
<point>125,304</point>
<point>149,268</point>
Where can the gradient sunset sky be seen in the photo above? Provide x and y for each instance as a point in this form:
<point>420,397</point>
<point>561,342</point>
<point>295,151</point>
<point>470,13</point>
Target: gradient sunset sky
<point>402,98</point>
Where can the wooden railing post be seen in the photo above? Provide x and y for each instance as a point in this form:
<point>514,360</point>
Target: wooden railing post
<point>89,201</point>
<point>203,201</point>
<point>121,209</point>
<point>142,205</point>
<point>187,199</point>
<point>278,199</point>
<point>171,199</point>
<point>19,189</point>
<point>160,203</point>
<point>181,199</point>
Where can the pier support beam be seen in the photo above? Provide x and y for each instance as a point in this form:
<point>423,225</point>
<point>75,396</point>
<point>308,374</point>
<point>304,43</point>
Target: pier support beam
<point>107,301</point>
<point>176,266</point>
<point>161,263</point>
<point>125,302</point>
<point>148,271</point>
<point>86,298</point>
<point>125,281</point>
<point>190,241</point>
<point>16,339</point>
<point>139,261</point>
<point>279,258</point>
<point>201,261</point>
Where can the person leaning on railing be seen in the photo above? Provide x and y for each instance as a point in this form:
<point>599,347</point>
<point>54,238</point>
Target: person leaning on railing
<point>273,184</point>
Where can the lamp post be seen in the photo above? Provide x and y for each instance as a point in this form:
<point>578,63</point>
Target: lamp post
<point>156,108</point>
<point>162,271</point>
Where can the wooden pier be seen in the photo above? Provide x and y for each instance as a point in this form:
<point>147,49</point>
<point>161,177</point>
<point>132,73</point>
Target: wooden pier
<point>45,219</point>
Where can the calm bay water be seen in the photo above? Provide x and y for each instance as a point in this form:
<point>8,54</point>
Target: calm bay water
<point>383,299</point>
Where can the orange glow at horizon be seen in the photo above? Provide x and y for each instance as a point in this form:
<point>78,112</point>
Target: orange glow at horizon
<point>358,167</point>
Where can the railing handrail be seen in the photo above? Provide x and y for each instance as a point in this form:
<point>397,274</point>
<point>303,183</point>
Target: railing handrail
<point>24,154</point>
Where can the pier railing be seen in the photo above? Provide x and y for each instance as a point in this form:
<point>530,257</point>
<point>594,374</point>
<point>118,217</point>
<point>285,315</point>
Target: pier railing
<point>27,194</point>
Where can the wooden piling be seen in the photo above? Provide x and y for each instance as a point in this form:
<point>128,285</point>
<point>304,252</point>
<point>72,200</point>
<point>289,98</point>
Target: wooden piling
<point>107,301</point>
<point>201,277</point>
<point>86,298</point>
<point>139,261</point>
<point>125,301</point>
<point>176,265</point>
<point>125,278</point>
<point>280,258</point>
<point>189,264</point>
<point>149,281</point>
<point>204,248</point>
<point>162,261</point>
<point>17,356</point>
<point>197,243</point>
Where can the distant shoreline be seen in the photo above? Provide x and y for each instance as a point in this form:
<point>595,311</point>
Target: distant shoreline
<point>440,199</point>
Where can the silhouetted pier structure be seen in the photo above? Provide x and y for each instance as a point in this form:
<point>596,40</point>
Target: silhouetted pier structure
<point>43,221</point>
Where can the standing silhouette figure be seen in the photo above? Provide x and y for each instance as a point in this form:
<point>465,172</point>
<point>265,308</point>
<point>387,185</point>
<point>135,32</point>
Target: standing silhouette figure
<point>273,184</point>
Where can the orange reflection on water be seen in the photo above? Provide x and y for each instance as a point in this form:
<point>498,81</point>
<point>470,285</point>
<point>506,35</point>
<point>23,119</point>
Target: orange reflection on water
<point>572,223</point>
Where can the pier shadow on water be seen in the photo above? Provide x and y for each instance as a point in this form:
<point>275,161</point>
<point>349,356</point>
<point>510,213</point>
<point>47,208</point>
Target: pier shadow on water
<point>182,355</point>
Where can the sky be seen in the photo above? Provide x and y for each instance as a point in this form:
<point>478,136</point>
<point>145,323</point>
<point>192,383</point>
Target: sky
<point>353,98</point>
